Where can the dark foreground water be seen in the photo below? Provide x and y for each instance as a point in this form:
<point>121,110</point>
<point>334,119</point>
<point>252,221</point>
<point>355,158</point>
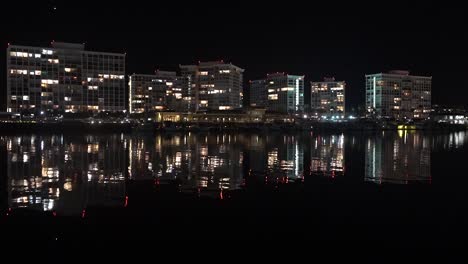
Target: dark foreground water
<point>404,186</point>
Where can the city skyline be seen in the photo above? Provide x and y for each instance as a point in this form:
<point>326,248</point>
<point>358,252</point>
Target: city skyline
<point>65,77</point>
<point>350,45</point>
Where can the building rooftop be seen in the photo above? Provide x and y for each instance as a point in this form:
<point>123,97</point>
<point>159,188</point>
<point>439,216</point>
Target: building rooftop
<point>64,45</point>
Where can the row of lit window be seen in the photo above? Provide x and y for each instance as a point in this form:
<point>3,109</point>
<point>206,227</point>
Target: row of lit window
<point>112,76</point>
<point>24,72</point>
<point>24,54</point>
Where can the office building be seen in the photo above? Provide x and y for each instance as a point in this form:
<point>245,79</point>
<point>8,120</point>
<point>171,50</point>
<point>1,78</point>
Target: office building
<point>285,93</point>
<point>398,95</point>
<point>64,78</point>
<point>213,86</point>
<point>258,94</point>
<point>163,90</point>
<point>327,98</point>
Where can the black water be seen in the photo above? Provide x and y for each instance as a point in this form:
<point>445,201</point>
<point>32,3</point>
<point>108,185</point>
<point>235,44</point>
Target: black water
<point>406,186</point>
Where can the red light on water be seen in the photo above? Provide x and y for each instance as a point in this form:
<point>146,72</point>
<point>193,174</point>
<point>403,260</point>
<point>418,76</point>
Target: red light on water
<point>221,195</point>
<point>83,213</point>
<point>54,213</point>
<point>126,201</point>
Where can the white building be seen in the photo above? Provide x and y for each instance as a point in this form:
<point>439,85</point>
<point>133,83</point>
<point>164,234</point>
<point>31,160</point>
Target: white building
<point>213,85</point>
<point>398,95</point>
<point>163,90</point>
<point>328,97</point>
<point>285,93</point>
<point>64,77</point>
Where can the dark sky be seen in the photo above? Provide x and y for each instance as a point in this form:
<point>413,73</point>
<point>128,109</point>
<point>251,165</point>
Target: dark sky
<point>317,40</point>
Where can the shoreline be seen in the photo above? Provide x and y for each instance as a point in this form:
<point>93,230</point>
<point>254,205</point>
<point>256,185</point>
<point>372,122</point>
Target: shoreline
<point>151,128</point>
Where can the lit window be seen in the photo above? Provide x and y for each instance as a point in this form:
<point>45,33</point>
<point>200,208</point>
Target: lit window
<point>150,88</point>
<point>93,87</point>
<point>13,97</point>
<point>204,102</point>
<point>224,107</point>
<point>204,73</point>
<point>47,81</point>
<point>169,83</point>
<point>37,56</point>
<point>19,54</point>
<point>37,72</point>
<point>271,90</point>
<point>68,69</point>
<point>224,71</point>
<point>47,52</point>
<point>273,97</point>
<point>67,98</point>
<point>26,97</point>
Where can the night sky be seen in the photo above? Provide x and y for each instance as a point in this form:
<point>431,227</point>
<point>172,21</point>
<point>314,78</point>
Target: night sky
<point>317,40</point>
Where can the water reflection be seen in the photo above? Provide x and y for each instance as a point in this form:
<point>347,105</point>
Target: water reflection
<point>66,174</point>
<point>53,173</point>
<point>195,161</point>
<point>401,159</point>
<point>327,155</point>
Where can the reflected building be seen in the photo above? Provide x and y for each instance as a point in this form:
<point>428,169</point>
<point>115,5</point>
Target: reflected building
<point>402,159</point>
<point>286,159</point>
<point>327,155</point>
<point>276,157</point>
<point>193,161</point>
<point>53,173</point>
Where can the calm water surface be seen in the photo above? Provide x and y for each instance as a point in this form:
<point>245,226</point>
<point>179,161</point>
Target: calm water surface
<point>388,185</point>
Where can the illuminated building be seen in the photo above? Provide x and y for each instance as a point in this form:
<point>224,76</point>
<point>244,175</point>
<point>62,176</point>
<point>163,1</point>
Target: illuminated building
<point>328,98</point>
<point>160,91</point>
<point>285,93</point>
<point>398,95</point>
<point>258,93</point>
<point>213,86</point>
<point>64,77</point>
<point>232,116</point>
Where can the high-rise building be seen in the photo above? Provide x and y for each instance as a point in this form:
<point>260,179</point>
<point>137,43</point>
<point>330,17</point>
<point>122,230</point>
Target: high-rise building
<point>258,93</point>
<point>398,95</point>
<point>327,98</point>
<point>285,93</point>
<point>64,77</point>
<point>213,85</point>
<point>163,90</point>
